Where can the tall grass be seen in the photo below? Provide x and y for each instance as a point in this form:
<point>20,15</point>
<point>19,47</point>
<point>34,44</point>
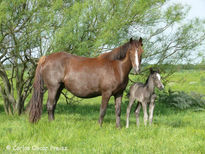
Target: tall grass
<point>76,130</point>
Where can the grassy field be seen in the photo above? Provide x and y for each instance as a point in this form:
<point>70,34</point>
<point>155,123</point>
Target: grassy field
<point>188,81</point>
<point>76,129</point>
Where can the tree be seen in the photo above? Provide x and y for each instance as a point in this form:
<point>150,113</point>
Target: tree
<point>23,35</point>
<point>91,27</point>
<point>31,28</point>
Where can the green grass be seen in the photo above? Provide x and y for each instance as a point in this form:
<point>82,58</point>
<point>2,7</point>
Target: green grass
<point>76,130</point>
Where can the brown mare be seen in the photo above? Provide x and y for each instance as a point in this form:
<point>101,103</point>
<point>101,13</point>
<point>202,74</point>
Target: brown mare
<point>105,75</point>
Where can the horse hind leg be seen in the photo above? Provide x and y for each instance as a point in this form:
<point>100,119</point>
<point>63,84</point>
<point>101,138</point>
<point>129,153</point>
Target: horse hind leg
<point>144,106</point>
<point>137,113</point>
<point>53,96</point>
<point>118,101</point>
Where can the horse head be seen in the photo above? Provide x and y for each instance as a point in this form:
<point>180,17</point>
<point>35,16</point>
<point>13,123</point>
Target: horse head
<point>136,51</point>
<point>156,78</point>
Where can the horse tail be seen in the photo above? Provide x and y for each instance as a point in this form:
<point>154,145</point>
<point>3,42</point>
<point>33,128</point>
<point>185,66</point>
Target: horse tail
<point>35,103</point>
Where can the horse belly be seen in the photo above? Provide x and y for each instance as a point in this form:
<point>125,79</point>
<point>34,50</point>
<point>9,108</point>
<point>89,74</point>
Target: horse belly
<point>137,91</point>
<point>84,86</point>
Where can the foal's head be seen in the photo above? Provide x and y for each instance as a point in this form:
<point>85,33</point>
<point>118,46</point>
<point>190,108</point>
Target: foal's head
<point>156,79</point>
<point>136,54</point>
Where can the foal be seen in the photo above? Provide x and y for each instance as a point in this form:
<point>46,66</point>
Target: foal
<point>144,93</point>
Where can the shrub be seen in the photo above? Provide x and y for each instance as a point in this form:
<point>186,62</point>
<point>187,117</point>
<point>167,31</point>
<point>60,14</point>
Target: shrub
<point>182,100</point>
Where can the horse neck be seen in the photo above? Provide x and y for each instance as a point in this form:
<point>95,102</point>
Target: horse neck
<point>126,63</point>
<point>118,53</point>
<point>150,84</point>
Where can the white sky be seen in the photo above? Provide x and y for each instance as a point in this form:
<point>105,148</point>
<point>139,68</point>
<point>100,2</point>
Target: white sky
<point>197,7</point>
<point>197,10</point>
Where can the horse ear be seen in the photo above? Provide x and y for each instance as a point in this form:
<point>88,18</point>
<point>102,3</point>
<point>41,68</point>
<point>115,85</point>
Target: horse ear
<point>151,70</point>
<point>131,40</point>
<point>140,40</point>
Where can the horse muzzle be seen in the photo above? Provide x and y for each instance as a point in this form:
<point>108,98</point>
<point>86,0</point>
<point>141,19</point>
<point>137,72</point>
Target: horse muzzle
<point>136,71</point>
<point>161,87</point>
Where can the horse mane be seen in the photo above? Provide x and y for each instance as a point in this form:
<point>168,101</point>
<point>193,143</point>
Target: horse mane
<point>147,80</point>
<point>149,77</point>
<point>117,53</point>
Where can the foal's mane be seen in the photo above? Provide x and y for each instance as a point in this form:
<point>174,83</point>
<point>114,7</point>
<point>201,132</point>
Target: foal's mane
<point>147,79</point>
<point>150,76</point>
<point>117,53</point>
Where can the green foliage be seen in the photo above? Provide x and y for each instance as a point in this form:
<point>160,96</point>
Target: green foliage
<point>89,25</point>
<point>182,100</point>
<point>24,25</point>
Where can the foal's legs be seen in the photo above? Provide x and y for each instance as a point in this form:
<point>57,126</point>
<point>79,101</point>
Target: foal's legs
<point>137,113</point>
<point>131,101</point>
<point>103,107</point>
<point>144,106</point>
<point>151,108</point>
<point>53,96</point>
<point>118,100</point>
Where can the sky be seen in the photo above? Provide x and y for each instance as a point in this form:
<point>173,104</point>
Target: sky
<point>197,10</point>
<point>197,7</point>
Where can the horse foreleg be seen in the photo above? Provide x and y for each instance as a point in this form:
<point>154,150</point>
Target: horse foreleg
<point>137,113</point>
<point>103,107</point>
<point>131,101</point>
<point>151,108</point>
<point>144,106</point>
<point>118,100</point>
